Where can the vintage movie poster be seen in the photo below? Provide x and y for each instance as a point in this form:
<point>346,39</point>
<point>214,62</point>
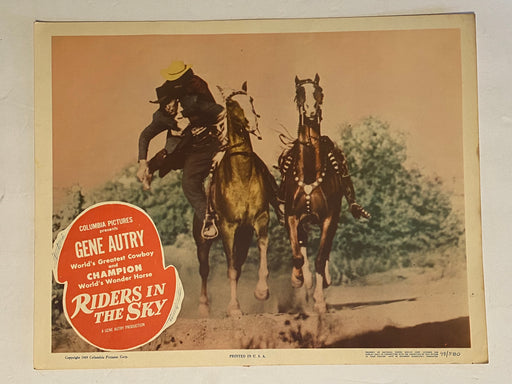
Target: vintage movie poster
<point>257,192</point>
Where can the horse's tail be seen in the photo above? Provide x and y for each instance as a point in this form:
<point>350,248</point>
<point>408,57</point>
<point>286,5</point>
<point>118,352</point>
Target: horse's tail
<point>243,238</point>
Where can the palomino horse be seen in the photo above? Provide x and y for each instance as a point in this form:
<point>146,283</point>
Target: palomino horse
<point>315,178</point>
<point>240,198</point>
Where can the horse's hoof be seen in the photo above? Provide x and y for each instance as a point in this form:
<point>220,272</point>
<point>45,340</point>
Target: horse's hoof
<point>320,308</point>
<point>235,312</point>
<point>297,283</point>
<point>204,310</point>
<point>263,294</point>
<point>297,278</point>
<point>234,309</point>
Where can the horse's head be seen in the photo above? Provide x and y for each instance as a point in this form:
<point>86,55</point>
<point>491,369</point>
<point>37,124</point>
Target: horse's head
<point>240,112</point>
<point>309,97</point>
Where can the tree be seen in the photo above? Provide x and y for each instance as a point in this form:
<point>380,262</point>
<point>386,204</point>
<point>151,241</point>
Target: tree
<point>411,212</point>
<point>73,206</point>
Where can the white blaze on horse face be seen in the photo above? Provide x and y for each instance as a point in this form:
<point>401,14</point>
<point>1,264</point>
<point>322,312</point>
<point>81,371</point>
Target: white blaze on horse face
<point>309,107</point>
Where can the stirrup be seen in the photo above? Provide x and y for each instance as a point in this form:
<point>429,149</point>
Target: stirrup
<point>209,230</point>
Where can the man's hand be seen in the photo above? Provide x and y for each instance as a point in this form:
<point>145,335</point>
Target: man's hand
<point>143,175</point>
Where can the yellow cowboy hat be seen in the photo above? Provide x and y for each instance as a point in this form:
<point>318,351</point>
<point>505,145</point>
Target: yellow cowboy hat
<point>175,70</point>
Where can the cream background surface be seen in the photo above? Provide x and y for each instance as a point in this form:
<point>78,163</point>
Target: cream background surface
<point>16,184</point>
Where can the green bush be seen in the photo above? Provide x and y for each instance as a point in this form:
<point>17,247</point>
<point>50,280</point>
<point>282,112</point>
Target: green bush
<point>411,212</point>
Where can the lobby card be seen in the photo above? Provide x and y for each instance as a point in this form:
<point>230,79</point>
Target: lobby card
<point>257,192</point>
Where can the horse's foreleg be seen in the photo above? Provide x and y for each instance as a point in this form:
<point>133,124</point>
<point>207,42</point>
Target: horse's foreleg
<point>302,235</point>
<point>203,250</point>
<point>323,278</point>
<point>228,238</point>
<point>204,270</point>
<point>298,257</point>
<point>262,292</point>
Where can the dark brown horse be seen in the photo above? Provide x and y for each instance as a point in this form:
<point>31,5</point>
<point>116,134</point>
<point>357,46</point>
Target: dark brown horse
<point>240,197</point>
<point>315,178</point>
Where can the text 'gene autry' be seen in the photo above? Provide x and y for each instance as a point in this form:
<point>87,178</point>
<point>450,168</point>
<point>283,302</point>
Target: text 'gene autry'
<point>118,242</point>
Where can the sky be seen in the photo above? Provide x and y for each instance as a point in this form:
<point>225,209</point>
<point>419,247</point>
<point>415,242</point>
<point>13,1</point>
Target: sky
<point>410,79</point>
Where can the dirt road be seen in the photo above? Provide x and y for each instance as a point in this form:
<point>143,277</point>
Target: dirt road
<point>400,308</point>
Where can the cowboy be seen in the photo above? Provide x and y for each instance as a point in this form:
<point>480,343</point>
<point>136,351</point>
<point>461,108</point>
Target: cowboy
<point>190,146</point>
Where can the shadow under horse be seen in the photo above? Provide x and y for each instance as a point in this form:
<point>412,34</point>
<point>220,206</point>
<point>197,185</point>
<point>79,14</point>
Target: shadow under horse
<point>240,194</point>
<point>315,178</point>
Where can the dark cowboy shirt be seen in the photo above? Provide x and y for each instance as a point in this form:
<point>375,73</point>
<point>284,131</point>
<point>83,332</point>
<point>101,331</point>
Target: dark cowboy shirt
<point>162,121</point>
<point>198,103</point>
<point>198,106</point>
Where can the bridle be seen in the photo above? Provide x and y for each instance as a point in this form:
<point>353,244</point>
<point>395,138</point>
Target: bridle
<point>317,118</point>
<point>255,131</point>
<point>313,121</point>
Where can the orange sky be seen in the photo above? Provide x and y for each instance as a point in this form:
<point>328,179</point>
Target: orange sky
<point>102,84</point>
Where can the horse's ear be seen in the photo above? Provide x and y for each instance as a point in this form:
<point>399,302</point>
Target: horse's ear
<point>317,79</point>
<point>244,86</point>
<point>221,92</point>
<point>296,80</point>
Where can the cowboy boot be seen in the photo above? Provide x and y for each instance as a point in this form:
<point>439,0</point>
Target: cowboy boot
<point>209,230</point>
